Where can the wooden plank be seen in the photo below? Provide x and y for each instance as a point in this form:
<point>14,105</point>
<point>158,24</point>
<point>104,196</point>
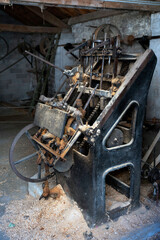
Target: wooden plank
<point>48,17</point>
<point>28,29</point>
<point>94,4</point>
<point>23,15</point>
<point>94,15</point>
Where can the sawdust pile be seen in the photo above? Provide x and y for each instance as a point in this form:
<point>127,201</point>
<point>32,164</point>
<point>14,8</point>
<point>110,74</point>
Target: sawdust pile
<point>45,219</point>
<point>61,219</point>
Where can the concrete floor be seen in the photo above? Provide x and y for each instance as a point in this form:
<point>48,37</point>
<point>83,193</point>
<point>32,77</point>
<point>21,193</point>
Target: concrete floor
<point>11,187</point>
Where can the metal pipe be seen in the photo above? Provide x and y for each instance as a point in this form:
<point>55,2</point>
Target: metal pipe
<point>80,94</point>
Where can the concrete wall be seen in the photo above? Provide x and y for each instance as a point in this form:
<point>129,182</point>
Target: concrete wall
<point>153,105</point>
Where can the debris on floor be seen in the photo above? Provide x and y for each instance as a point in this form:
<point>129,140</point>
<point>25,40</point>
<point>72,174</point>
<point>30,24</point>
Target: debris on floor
<point>62,219</point>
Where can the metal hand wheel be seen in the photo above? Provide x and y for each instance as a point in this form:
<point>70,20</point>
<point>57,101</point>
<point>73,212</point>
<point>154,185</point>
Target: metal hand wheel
<point>27,150</point>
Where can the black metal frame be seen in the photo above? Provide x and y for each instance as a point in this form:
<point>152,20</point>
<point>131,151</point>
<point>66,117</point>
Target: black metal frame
<point>86,179</point>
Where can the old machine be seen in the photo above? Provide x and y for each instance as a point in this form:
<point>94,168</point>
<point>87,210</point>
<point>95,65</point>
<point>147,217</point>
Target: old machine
<point>92,135</point>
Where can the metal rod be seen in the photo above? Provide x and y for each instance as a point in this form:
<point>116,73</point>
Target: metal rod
<point>93,92</point>
<point>66,98</point>
<point>80,94</point>
<point>47,62</point>
<point>91,69</point>
<point>102,70</point>
<point>78,47</point>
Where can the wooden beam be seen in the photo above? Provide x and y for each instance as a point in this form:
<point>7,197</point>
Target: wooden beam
<point>151,6</point>
<point>94,15</point>
<point>28,29</point>
<point>48,17</point>
<point>5,2</point>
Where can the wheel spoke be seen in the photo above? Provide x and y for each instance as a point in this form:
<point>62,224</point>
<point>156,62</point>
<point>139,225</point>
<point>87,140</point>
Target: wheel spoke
<point>26,158</point>
<point>39,171</point>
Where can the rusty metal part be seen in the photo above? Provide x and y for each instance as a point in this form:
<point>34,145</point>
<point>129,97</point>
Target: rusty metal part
<point>69,144</point>
<point>54,153</point>
<point>56,192</point>
<point>116,83</point>
<point>45,193</point>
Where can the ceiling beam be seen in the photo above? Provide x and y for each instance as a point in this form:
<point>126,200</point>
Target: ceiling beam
<point>28,29</point>
<point>48,17</point>
<point>94,15</point>
<point>92,4</point>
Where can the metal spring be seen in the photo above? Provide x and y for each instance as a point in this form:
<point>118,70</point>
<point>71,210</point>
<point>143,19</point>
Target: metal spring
<point>93,112</point>
<point>89,119</point>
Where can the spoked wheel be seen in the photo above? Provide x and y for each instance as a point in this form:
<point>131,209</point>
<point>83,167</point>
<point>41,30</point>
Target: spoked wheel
<point>26,150</point>
<point>106,29</point>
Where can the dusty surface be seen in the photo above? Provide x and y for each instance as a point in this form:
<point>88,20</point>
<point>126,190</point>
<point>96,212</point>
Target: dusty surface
<point>62,219</point>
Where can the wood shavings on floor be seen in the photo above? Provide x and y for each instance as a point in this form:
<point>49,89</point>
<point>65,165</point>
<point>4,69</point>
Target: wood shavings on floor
<point>61,219</point>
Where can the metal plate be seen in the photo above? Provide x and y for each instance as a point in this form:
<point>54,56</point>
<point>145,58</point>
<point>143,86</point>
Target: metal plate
<point>52,119</point>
